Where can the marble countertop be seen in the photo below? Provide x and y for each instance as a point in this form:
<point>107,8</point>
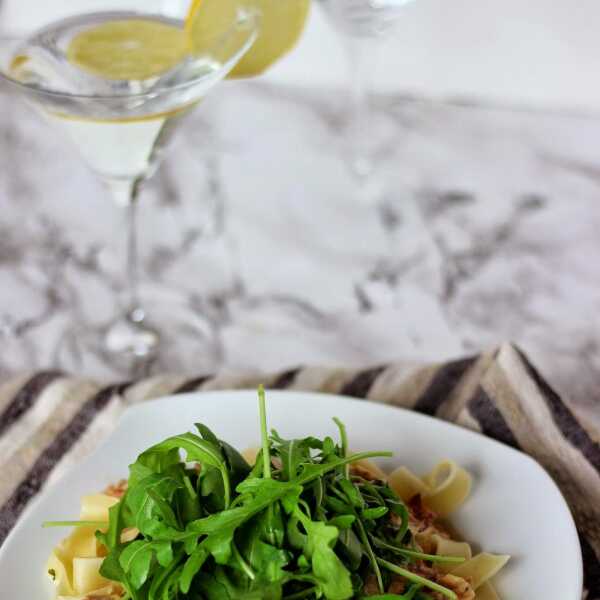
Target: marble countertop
<point>486,229</point>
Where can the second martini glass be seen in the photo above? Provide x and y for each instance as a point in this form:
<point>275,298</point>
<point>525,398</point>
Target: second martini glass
<point>362,25</point>
<point>119,83</point>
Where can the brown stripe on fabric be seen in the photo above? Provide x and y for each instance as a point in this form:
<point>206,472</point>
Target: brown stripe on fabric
<point>42,468</point>
<point>361,383</point>
<point>285,379</point>
<point>26,398</point>
<point>564,419</point>
<point>444,381</point>
<point>490,419</point>
<point>192,385</point>
<point>591,568</point>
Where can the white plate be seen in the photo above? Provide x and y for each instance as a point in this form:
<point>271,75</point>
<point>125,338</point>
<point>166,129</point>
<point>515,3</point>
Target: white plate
<point>515,507</point>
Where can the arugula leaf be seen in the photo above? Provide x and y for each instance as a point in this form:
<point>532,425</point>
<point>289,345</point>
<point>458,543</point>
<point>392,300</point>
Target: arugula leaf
<point>219,544</point>
<point>112,537</point>
<point>187,503</point>
<point>164,586</point>
<point>151,461</point>
<point>165,578</point>
<point>293,453</point>
<point>111,569</point>
<point>266,456</point>
<point>198,450</point>
<point>329,571</point>
<point>415,554</point>
<point>192,566</point>
<point>296,538</point>
<point>149,505</point>
<point>344,443</point>
<point>270,562</point>
<point>136,559</point>
<point>266,559</point>
<point>352,494</point>
<point>237,466</point>
<point>312,471</point>
<point>343,522</point>
<point>221,585</point>
<point>211,488</point>
<point>263,493</point>
<point>375,513</point>
<point>351,548</point>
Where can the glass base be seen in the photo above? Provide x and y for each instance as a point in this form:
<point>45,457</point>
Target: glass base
<point>131,335</point>
<point>175,340</point>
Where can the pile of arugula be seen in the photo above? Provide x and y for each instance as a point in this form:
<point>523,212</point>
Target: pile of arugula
<point>296,525</point>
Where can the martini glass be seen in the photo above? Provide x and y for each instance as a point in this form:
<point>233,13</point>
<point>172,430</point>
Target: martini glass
<point>121,124</point>
<point>362,25</point>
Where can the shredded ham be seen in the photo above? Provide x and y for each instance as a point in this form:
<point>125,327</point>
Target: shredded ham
<point>117,490</point>
<point>361,471</point>
<point>398,586</point>
<point>370,588</point>
<point>461,587</point>
<point>422,523</point>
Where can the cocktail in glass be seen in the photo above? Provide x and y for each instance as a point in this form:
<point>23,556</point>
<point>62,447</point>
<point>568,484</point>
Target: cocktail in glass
<point>118,79</point>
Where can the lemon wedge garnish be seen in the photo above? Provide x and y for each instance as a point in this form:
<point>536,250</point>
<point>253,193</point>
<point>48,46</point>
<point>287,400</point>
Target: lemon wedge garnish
<point>281,25</point>
<point>140,49</point>
<point>207,21</point>
<point>128,49</point>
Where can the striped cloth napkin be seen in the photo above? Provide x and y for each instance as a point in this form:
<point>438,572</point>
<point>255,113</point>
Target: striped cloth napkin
<point>49,421</point>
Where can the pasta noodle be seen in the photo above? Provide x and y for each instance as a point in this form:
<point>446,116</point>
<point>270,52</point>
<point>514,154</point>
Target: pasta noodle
<point>481,568</point>
<point>57,570</point>
<point>478,570</point>
<point>486,592</point>
<point>250,455</point>
<point>406,484</point>
<point>447,547</point>
<point>86,575</point>
<point>444,489</point>
<point>74,565</point>
<point>448,486</point>
<point>95,507</point>
<point>82,542</point>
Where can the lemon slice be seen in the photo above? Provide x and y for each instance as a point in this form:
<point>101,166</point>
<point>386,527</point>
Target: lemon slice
<point>281,25</point>
<point>128,49</point>
<point>207,21</point>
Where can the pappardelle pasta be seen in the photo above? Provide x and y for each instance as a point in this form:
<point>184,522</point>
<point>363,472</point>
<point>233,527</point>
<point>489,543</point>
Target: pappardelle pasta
<point>293,519</point>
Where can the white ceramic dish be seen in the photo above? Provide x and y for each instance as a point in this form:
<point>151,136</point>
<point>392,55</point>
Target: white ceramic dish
<point>515,507</point>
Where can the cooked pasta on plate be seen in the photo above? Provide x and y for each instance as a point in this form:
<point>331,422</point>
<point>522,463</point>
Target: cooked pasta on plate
<point>291,520</point>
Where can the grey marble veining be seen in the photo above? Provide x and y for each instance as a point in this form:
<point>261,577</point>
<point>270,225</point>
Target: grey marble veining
<point>485,228</point>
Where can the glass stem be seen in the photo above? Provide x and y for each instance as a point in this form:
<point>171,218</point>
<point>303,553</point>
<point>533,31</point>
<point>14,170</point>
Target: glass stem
<point>132,269</point>
<point>361,54</point>
<point>129,334</point>
<point>125,194</point>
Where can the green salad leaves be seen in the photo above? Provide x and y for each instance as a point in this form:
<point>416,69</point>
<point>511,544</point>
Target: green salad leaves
<point>298,524</point>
